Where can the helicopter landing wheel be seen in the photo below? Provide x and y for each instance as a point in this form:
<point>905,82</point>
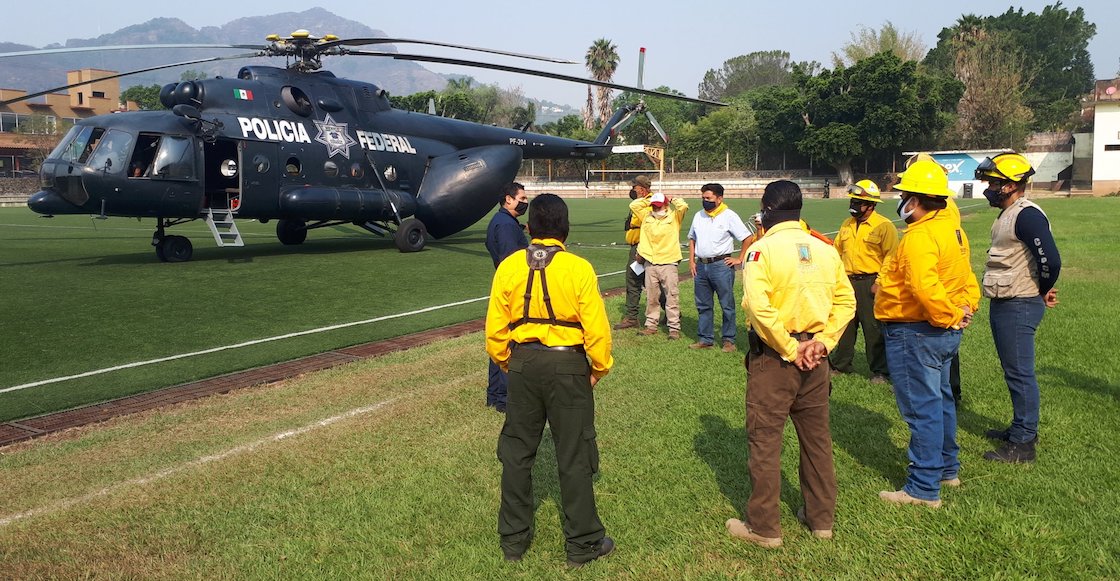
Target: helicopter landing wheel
<point>174,249</point>
<point>291,232</point>
<point>410,235</point>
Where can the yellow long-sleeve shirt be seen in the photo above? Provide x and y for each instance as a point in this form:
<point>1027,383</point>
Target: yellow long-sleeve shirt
<point>574,292</point>
<point>864,245</point>
<point>795,283</point>
<point>660,240</point>
<point>929,278</point>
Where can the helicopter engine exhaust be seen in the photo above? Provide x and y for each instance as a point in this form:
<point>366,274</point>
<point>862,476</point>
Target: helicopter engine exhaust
<point>462,187</point>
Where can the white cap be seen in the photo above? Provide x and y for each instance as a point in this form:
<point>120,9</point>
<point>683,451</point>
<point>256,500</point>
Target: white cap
<point>657,199</point>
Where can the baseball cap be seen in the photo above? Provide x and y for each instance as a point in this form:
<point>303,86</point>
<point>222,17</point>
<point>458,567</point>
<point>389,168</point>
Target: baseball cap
<point>657,199</point>
<point>641,181</point>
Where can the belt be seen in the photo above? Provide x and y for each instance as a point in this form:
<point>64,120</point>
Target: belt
<point>863,276</point>
<point>801,336</point>
<point>538,346</point>
<point>712,259</point>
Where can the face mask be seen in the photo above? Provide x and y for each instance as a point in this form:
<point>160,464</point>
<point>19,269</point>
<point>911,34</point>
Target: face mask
<point>521,208</point>
<point>709,206</point>
<point>996,196</point>
<point>660,212</point>
<point>902,213</point>
<point>855,208</point>
<point>633,194</point>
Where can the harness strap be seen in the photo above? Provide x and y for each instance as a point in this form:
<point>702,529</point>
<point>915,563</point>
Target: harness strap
<point>539,257</point>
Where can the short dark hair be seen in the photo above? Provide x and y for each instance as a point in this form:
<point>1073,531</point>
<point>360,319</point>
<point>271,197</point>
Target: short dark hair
<point>782,195</point>
<point>930,203</point>
<point>714,188</point>
<point>548,217</point>
<point>510,190</point>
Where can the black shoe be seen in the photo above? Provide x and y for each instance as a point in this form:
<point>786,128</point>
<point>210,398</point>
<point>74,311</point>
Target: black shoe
<point>500,408</point>
<point>1002,435</point>
<point>606,547</point>
<point>1013,453</point>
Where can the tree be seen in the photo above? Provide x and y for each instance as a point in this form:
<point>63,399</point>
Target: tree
<point>995,74</point>
<point>877,107</point>
<point>601,61</point>
<point>40,134</point>
<point>727,134</point>
<point>907,46</point>
<point>749,71</point>
<point>192,75</point>
<point>146,96</point>
<point>670,113</point>
<point>1055,44</point>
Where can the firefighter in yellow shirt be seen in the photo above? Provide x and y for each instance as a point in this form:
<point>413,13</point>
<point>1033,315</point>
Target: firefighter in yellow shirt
<point>865,239</point>
<point>798,301</point>
<point>927,295</point>
<point>545,320</point>
<point>659,246</point>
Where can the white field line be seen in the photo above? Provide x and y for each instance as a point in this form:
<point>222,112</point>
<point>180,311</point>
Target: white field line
<point>251,343</point>
<point>77,500</point>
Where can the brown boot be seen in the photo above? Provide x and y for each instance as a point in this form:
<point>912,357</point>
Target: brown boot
<point>824,534</point>
<point>646,332</point>
<point>674,335</point>
<point>700,345</point>
<point>902,497</point>
<point>626,323</point>
<point>728,347</point>
<point>740,530</point>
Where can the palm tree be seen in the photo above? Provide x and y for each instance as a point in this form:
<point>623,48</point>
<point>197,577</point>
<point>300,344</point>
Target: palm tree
<point>602,61</point>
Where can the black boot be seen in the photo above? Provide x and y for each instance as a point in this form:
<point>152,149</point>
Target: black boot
<point>1003,435</point>
<point>1013,453</point>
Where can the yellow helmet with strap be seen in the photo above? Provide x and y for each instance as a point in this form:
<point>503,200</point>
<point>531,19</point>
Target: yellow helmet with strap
<point>1005,166</point>
<point>865,190</point>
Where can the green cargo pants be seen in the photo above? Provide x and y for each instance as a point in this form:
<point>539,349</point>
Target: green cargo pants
<point>874,347</point>
<point>553,386</point>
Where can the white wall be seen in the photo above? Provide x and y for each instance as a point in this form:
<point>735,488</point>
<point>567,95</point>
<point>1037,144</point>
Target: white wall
<point>1106,164</point>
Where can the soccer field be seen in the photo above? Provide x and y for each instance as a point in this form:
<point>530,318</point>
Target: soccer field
<point>386,468</point>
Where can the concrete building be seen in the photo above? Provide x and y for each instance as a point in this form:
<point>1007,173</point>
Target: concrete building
<point>29,127</point>
<point>1106,137</point>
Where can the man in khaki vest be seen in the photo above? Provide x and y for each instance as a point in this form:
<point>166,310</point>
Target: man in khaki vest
<point>1023,266</point>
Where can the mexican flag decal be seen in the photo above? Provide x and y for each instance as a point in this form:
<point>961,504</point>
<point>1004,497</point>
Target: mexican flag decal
<point>243,94</point>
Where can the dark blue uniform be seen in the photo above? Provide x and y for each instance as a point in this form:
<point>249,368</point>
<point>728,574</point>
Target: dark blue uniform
<point>504,236</point>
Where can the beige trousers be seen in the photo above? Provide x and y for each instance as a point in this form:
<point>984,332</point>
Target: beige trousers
<point>663,278</point>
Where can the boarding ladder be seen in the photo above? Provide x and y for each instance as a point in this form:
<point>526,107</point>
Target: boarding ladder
<point>222,226</point>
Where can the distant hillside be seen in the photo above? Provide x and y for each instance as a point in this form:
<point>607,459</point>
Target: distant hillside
<point>44,72</point>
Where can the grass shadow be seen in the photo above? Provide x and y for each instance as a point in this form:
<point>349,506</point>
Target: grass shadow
<point>546,478</point>
<point>975,423</point>
<point>864,435</point>
<point>1097,385</point>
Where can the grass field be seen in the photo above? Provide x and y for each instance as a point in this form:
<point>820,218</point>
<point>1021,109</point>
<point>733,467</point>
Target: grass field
<point>82,295</point>
<point>385,468</point>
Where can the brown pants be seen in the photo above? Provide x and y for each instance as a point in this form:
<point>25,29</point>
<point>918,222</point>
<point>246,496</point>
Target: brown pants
<point>777,389</point>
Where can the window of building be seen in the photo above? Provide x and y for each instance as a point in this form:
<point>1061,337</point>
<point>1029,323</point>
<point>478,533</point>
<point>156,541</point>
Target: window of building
<point>98,94</point>
<point>1112,148</point>
<point>8,122</point>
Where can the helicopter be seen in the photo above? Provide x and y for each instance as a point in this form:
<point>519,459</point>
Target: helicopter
<point>300,146</point>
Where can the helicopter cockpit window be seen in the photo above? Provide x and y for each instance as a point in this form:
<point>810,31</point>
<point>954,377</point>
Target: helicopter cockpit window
<point>112,151</point>
<point>82,145</point>
<point>296,100</point>
<point>90,144</point>
<point>330,169</point>
<point>175,159</point>
<point>62,150</point>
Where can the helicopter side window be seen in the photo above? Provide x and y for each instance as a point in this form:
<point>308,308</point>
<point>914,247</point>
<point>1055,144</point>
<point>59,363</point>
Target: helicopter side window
<point>175,159</point>
<point>144,156</point>
<point>62,150</point>
<point>111,153</point>
<point>330,169</point>
<point>293,167</point>
<point>261,162</point>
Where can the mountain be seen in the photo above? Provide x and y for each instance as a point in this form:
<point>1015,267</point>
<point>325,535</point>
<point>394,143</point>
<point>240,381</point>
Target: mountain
<point>43,72</point>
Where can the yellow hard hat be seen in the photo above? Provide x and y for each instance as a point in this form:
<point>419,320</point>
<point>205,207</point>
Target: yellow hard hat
<point>1005,166</point>
<point>926,177</point>
<point>865,190</point>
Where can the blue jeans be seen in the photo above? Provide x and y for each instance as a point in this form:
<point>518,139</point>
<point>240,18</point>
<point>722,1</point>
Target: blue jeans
<point>497,387</point>
<point>1014,322</point>
<point>719,278</point>
<point>919,356</point>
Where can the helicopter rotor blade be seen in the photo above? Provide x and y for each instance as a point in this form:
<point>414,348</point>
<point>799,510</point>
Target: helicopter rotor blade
<point>657,126</point>
<point>53,51</point>
<point>135,72</point>
<point>368,41</point>
<point>531,72</point>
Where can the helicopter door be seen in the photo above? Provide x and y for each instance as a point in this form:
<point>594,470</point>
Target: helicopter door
<point>223,175</point>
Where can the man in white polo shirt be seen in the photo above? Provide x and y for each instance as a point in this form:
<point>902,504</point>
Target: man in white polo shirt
<point>711,259</point>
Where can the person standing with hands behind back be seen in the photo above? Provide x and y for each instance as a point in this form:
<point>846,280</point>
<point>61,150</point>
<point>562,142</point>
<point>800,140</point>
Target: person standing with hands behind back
<point>1023,266</point>
<point>798,301</point>
<point>504,236</point>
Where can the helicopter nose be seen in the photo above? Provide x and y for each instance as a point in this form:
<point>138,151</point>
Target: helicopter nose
<point>49,203</point>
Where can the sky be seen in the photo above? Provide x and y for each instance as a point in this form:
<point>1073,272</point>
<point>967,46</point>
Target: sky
<point>683,39</point>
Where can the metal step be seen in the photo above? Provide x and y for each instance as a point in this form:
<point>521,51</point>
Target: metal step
<point>223,227</point>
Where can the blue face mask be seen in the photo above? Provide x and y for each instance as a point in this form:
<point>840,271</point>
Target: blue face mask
<point>709,206</point>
